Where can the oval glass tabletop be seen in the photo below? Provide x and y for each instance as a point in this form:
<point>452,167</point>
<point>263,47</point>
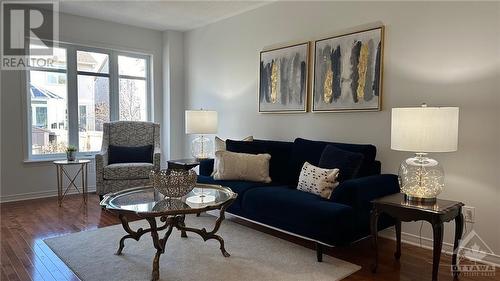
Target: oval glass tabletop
<point>147,201</point>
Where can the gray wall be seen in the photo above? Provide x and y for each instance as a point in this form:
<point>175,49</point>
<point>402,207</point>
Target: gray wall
<point>444,54</point>
<point>22,180</point>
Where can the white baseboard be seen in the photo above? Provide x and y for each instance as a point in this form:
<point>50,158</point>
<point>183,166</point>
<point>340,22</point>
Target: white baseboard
<point>427,243</point>
<point>38,194</point>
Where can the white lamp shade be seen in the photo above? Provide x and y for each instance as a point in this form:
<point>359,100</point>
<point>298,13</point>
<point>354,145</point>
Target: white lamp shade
<point>425,129</point>
<point>201,122</point>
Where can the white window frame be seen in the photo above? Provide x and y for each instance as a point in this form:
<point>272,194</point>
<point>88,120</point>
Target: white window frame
<point>72,94</point>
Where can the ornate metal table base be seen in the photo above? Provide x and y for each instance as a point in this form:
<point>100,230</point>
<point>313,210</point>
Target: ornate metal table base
<point>169,223</point>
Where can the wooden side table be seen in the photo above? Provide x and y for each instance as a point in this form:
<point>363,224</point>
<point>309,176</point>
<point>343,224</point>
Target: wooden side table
<point>436,214</point>
<point>184,164</point>
<point>61,170</point>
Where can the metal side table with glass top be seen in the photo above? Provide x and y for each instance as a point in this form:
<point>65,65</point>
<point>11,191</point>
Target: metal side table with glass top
<point>61,167</point>
<point>148,204</point>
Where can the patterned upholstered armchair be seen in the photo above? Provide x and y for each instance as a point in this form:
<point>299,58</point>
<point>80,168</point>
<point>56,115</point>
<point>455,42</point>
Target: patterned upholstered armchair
<point>118,176</point>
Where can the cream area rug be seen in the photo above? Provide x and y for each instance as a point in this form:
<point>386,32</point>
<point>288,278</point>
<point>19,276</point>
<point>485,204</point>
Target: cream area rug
<point>254,256</point>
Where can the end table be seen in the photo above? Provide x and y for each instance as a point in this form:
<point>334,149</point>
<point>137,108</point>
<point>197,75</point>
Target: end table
<point>436,214</point>
<point>61,170</point>
<point>183,164</point>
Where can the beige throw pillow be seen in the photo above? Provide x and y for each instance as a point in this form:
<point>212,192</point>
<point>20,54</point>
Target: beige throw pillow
<point>317,180</point>
<point>242,166</point>
<point>220,144</point>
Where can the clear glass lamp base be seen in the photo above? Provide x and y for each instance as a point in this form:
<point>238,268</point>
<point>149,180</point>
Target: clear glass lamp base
<point>201,147</point>
<point>421,178</point>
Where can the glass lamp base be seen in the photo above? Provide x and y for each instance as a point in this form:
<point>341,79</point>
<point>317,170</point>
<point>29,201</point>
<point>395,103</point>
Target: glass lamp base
<point>421,178</point>
<point>201,147</point>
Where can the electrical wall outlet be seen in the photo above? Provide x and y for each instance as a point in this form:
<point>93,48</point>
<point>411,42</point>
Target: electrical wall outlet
<point>469,213</point>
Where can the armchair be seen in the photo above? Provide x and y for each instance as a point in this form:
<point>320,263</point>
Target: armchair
<point>118,176</point>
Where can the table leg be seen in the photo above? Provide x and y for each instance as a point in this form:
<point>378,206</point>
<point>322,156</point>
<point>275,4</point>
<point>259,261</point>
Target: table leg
<point>397,254</point>
<point>136,235</point>
<point>86,185</point>
<point>159,245</point>
<point>83,182</point>
<point>183,224</point>
<point>59,185</point>
<point>206,235</point>
<point>373,226</point>
<point>459,228</point>
<point>437,229</point>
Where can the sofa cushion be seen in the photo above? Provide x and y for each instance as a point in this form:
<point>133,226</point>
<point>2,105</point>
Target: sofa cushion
<point>280,156</point>
<point>126,154</point>
<point>346,161</point>
<point>126,171</point>
<point>241,166</point>
<point>310,151</point>
<point>299,212</point>
<point>239,187</point>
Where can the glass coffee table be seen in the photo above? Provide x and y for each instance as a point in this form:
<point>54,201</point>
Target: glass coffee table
<point>148,204</point>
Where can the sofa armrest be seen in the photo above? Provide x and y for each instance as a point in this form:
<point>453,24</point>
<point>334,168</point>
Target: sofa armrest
<point>359,192</point>
<point>206,167</point>
<point>101,161</point>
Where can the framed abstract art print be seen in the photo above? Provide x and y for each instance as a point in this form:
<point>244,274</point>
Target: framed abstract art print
<point>283,79</point>
<point>348,72</point>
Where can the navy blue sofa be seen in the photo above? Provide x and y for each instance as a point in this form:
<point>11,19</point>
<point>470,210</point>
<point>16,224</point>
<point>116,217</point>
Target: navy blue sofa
<point>340,220</point>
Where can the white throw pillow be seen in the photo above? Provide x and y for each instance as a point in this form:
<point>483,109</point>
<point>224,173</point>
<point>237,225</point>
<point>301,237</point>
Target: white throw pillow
<point>220,144</point>
<point>242,166</point>
<point>317,180</point>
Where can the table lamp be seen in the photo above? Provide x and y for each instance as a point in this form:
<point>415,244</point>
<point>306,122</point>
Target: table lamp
<point>201,122</point>
<point>422,130</point>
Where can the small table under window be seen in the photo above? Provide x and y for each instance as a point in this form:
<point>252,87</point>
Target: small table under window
<point>61,170</point>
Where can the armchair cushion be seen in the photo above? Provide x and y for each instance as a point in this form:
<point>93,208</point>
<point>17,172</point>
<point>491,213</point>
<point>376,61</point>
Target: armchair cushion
<point>127,171</point>
<point>127,154</point>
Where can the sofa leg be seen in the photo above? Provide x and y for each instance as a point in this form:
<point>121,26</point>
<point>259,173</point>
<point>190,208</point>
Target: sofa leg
<point>319,252</point>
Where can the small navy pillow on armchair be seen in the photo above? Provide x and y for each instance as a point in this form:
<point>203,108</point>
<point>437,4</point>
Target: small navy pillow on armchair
<point>346,161</point>
<point>127,154</point>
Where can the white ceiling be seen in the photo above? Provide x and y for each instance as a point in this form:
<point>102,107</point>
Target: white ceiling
<point>160,15</point>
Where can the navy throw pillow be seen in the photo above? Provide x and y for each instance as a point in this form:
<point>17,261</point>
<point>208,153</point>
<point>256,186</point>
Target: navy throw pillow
<point>127,154</point>
<point>346,161</point>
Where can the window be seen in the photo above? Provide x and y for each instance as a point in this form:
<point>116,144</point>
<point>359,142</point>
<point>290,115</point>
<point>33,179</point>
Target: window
<point>133,97</point>
<point>70,100</point>
<point>93,98</point>
<point>48,105</point>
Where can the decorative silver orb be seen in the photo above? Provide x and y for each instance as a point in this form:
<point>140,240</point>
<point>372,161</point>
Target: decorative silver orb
<point>421,178</point>
<point>173,183</point>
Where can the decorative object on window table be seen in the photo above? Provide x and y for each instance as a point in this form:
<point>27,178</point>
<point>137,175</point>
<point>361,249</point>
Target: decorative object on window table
<point>71,153</point>
<point>173,183</point>
<point>201,122</point>
<point>422,130</point>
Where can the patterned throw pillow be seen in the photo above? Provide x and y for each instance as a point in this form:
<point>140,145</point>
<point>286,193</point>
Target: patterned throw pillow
<point>317,180</point>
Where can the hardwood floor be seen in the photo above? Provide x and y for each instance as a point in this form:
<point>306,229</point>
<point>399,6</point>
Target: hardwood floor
<point>25,224</point>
